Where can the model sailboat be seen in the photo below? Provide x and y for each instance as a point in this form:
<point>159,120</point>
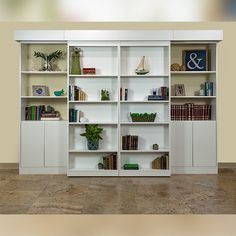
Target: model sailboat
<point>142,67</point>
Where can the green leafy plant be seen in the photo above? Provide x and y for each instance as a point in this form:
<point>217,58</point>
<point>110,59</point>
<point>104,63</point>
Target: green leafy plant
<point>92,133</point>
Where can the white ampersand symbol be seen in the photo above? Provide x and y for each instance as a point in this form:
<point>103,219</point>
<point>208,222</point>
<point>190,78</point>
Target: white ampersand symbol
<point>193,56</point>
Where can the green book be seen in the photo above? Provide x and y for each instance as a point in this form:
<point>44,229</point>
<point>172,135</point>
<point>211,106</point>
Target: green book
<point>131,167</point>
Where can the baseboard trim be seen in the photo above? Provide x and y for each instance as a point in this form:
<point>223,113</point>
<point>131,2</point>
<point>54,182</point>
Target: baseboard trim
<point>9,166</point>
<point>227,165</point>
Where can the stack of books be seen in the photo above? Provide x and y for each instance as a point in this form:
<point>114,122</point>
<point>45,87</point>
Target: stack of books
<point>76,94</point>
<point>190,111</point>
<point>110,162</point>
<point>74,115</point>
<point>208,88</point>
<point>34,112</point>
<point>161,162</point>
<point>124,94</point>
<point>162,94</point>
<point>131,167</point>
<point>130,142</point>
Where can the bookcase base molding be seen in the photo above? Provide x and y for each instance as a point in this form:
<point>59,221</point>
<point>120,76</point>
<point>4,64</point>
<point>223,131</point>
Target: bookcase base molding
<point>151,93</point>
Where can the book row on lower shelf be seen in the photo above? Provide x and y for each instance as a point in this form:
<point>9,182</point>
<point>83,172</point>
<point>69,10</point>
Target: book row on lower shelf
<point>190,111</point>
<point>41,112</point>
<point>109,162</point>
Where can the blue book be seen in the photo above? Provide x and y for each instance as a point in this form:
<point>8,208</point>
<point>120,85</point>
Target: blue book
<point>211,88</point>
<point>206,89</point>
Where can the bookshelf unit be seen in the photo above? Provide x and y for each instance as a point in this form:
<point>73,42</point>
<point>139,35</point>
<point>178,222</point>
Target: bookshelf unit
<point>116,55</point>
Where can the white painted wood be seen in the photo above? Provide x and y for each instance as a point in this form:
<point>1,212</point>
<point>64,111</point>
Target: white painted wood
<point>81,172</point>
<point>194,170</point>
<point>32,144</point>
<point>42,170</point>
<point>181,144</point>
<point>147,172</point>
<point>104,35</point>
<point>197,35</point>
<point>55,143</point>
<point>38,35</point>
<point>204,144</point>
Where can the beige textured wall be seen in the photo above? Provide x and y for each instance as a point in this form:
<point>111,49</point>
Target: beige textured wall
<point>9,95</point>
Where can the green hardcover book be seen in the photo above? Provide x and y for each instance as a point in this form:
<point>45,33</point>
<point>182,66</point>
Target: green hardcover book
<point>131,167</point>
<point>33,113</point>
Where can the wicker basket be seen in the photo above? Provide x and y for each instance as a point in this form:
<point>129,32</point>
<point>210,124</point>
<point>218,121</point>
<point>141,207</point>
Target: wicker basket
<point>143,117</point>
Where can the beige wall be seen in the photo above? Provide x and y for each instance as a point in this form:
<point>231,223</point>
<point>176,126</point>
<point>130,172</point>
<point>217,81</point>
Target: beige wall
<point>9,95</point>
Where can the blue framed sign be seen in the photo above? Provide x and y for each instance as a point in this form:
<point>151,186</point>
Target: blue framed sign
<point>195,60</point>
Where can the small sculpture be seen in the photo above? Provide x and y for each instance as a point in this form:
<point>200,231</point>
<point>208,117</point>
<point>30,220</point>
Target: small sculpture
<point>75,65</point>
<point>155,146</point>
<point>105,95</point>
<point>142,67</point>
<point>177,67</point>
<point>100,166</point>
<point>48,59</point>
<point>59,93</point>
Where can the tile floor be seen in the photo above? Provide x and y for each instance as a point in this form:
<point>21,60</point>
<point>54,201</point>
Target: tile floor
<point>58,194</point>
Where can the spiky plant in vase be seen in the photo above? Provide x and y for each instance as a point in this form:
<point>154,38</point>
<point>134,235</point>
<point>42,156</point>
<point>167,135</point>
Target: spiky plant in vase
<point>48,59</point>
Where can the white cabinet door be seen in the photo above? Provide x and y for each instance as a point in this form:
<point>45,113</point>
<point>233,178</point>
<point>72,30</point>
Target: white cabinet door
<point>55,143</point>
<point>181,144</point>
<point>32,144</point>
<point>204,143</point>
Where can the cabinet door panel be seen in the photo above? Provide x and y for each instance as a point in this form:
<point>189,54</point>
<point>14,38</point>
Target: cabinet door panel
<point>204,143</point>
<point>55,143</point>
<point>32,144</point>
<point>181,143</point>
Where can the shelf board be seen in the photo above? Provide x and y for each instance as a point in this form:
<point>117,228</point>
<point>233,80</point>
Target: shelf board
<point>145,172</point>
<point>47,97</point>
<point>91,172</point>
<point>92,102</point>
<point>146,123</point>
<point>194,97</point>
<point>192,72</point>
<point>145,151</point>
<point>144,76</point>
<point>93,76</point>
<point>45,72</point>
<point>91,151</point>
<point>93,123</point>
<point>156,101</point>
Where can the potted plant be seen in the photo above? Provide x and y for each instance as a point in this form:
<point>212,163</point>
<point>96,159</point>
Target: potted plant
<point>93,134</point>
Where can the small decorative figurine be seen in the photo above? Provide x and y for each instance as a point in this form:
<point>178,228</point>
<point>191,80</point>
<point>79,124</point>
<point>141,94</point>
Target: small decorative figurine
<point>100,166</point>
<point>155,146</point>
<point>105,95</point>
<point>75,65</point>
<point>142,67</point>
<point>48,59</point>
<point>59,93</point>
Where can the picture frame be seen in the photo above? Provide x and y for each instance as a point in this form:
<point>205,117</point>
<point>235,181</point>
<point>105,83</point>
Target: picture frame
<point>40,90</point>
<point>179,90</point>
<point>195,60</point>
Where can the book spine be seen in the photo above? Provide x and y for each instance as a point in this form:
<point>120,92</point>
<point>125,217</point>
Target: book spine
<point>126,94</point>
<point>211,89</point>
<point>121,94</point>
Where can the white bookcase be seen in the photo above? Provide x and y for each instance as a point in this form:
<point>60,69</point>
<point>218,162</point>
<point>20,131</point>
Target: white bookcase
<point>58,146</point>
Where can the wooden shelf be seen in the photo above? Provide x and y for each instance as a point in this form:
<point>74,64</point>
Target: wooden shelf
<point>44,97</point>
<point>45,72</point>
<point>92,151</point>
<point>99,102</point>
<point>93,76</point>
<point>192,97</point>
<point>145,123</point>
<point>192,72</point>
<point>156,101</point>
<point>144,76</point>
<point>93,123</point>
<point>145,151</point>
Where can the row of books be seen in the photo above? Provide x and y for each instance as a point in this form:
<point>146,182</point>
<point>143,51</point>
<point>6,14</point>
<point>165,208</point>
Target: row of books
<point>130,142</point>
<point>124,94</point>
<point>161,162</point>
<point>190,111</point>
<point>208,88</point>
<point>162,94</point>
<point>34,112</point>
<point>76,93</point>
<point>74,115</point>
<point>110,162</point>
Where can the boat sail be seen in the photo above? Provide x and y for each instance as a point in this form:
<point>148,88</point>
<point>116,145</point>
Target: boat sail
<point>142,67</point>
